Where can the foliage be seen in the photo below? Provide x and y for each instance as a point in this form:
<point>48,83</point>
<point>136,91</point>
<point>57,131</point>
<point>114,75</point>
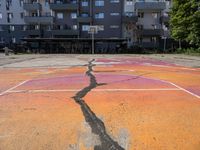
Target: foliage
<point>185,21</point>
<point>189,51</point>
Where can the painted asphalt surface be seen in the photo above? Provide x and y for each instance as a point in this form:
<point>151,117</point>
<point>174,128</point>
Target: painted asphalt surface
<point>127,103</point>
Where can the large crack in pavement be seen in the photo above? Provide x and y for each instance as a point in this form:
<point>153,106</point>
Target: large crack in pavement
<point>97,125</point>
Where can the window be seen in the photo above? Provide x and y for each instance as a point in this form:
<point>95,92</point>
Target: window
<point>37,27</point>
<point>140,27</point>
<point>85,27</point>
<point>129,2</point>
<point>1,15</point>
<point>13,40</point>
<point>46,2</point>
<point>12,28</point>
<point>8,4</point>
<point>21,2</point>
<point>22,15</point>
<point>139,39</point>
<point>73,15</point>
<point>74,27</point>
<point>99,3</point>
<point>101,27</point>
<point>74,1</point>
<point>84,15</point>
<point>155,15</point>
<point>84,3</point>
<point>114,26</point>
<point>114,14</point>
<point>114,1</point>
<point>60,15</point>
<point>99,15</point>
<point>141,14</point>
<point>24,28</point>
<point>153,39</point>
<point>9,17</point>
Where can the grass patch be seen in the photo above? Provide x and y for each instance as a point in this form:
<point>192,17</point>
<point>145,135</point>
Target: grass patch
<point>188,51</point>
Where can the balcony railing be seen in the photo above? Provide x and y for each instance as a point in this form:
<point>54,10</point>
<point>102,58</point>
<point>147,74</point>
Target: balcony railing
<point>38,19</point>
<point>84,19</point>
<point>150,5</point>
<point>64,32</point>
<point>32,6</point>
<point>151,32</point>
<point>63,5</point>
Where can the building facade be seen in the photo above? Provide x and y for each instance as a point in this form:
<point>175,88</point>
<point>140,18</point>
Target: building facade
<point>66,23</point>
<point>146,22</point>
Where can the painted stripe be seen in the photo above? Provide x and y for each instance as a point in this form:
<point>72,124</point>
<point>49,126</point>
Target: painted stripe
<point>177,86</point>
<point>195,95</point>
<point>12,88</point>
<point>95,90</point>
<point>174,67</point>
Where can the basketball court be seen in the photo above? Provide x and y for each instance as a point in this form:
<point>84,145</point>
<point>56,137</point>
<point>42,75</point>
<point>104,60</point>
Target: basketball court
<point>86,102</point>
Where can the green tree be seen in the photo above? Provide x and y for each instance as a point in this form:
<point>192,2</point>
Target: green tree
<point>185,21</point>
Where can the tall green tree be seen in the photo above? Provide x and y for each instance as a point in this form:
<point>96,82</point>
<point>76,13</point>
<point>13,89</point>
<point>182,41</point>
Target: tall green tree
<point>185,21</point>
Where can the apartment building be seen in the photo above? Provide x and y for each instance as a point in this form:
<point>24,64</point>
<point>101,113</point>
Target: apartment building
<point>11,21</point>
<point>146,22</point>
<point>64,24</point>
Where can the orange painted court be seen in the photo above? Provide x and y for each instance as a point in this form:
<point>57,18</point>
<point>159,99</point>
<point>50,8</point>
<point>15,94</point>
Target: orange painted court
<point>143,103</point>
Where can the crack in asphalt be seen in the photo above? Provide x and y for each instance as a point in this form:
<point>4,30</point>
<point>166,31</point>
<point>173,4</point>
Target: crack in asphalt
<point>97,125</point>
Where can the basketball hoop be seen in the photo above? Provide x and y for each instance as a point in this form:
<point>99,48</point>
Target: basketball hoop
<point>93,30</point>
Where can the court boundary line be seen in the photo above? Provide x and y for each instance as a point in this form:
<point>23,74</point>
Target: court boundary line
<point>12,88</point>
<point>95,90</point>
<point>195,95</point>
<point>174,67</point>
<point>179,87</point>
<point>173,84</point>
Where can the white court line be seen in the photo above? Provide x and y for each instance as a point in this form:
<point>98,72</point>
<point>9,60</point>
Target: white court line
<point>182,89</point>
<point>12,88</point>
<point>185,90</point>
<point>163,89</point>
<point>174,67</point>
<point>94,90</point>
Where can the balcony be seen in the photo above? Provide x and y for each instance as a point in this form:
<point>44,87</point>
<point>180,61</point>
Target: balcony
<point>84,19</point>
<point>63,6</point>
<point>32,6</point>
<point>151,32</point>
<point>150,5</point>
<point>65,32</point>
<point>38,19</point>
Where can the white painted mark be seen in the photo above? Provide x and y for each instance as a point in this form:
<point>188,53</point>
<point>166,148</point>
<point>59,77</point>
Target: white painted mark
<point>12,88</point>
<point>164,66</point>
<point>195,95</point>
<point>177,86</point>
<point>95,90</point>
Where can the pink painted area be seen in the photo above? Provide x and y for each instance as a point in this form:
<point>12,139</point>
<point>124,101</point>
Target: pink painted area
<point>194,90</point>
<point>104,60</point>
<point>66,82</point>
<point>127,81</point>
<point>135,61</point>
